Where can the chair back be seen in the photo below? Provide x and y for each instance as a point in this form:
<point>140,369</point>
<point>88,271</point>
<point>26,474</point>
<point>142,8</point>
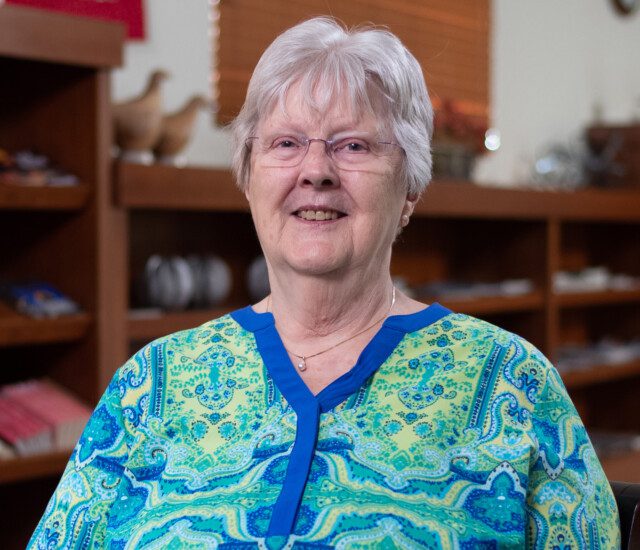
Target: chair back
<point>628,500</point>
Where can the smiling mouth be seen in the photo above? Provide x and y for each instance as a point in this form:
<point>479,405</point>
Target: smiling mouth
<point>319,215</point>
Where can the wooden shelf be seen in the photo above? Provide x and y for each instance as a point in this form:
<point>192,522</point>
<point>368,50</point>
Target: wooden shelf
<point>580,299</point>
<point>600,373</point>
<point>30,467</point>
<point>170,188</point>
<point>494,304</point>
<point>464,199</point>
<point>58,103</point>
<point>143,327</point>
<point>166,187</point>
<point>42,35</point>
<point>17,329</point>
<point>15,197</point>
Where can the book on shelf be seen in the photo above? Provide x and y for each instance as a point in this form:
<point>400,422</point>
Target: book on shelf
<point>27,434</point>
<point>39,416</point>
<point>37,299</point>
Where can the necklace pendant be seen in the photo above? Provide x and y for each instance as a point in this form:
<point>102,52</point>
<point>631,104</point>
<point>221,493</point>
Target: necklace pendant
<point>302,364</point>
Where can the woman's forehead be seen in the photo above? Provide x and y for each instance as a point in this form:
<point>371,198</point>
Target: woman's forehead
<point>304,112</point>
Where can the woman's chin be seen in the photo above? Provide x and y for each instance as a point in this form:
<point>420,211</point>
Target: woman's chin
<point>315,268</point>
<point>315,260</point>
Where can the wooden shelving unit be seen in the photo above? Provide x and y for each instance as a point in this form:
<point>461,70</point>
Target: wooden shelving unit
<point>57,101</point>
<point>585,299</point>
<point>459,232</point>
<point>169,188</point>
<point>601,373</point>
<point>15,197</point>
<point>523,220</point>
<point>533,301</point>
<point>19,330</point>
<point>453,199</point>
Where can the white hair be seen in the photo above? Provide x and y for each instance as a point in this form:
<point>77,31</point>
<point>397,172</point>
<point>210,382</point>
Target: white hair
<point>370,67</point>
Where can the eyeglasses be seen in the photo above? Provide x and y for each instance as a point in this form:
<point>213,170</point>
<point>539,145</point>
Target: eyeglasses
<point>348,153</point>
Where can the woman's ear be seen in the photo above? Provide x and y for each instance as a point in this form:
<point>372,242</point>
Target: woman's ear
<point>407,209</point>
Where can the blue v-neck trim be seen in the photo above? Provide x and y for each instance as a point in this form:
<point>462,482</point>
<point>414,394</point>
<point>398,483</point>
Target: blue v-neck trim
<point>376,352</point>
<point>286,377</point>
<point>308,406</point>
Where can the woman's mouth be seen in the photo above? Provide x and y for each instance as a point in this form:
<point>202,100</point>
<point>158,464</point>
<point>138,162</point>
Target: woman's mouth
<point>319,215</point>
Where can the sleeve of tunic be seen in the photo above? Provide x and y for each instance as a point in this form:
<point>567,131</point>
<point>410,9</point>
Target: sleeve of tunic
<point>569,500</point>
<point>78,513</point>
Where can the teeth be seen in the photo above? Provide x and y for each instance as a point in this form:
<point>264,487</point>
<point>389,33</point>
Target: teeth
<point>318,215</point>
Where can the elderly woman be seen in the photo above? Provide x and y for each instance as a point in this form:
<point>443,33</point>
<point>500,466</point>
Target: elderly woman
<point>337,412</point>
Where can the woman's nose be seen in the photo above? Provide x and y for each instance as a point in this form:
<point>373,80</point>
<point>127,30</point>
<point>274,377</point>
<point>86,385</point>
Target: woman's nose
<point>317,167</point>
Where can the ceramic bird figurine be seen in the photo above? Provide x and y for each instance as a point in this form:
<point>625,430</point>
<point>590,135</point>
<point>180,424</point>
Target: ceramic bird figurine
<point>176,130</point>
<point>137,121</point>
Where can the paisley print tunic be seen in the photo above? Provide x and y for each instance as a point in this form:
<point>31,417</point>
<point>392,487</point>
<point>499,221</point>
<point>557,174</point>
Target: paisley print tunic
<point>447,433</point>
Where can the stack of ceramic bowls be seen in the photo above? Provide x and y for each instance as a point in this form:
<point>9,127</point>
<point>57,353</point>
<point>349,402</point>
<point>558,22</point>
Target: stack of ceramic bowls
<point>176,283</point>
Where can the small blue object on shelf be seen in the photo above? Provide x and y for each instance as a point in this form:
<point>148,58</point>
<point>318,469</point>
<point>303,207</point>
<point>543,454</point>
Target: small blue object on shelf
<point>39,300</point>
<point>31,169</point>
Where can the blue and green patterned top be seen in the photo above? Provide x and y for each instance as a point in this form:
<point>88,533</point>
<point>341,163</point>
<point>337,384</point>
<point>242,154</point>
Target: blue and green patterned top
<point>447,433</point>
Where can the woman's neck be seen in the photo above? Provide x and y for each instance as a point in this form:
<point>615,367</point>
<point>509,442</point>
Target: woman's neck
<point>313,309</point>
<point>324,323</point>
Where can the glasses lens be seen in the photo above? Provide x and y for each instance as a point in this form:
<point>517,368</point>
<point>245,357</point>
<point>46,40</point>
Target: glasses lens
<point>358,151</point>
<point>287,149</point>
<point>347,153</point>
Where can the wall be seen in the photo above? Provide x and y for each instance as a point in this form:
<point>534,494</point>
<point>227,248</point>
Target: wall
<point>554,65</point>
<point>178,41</point>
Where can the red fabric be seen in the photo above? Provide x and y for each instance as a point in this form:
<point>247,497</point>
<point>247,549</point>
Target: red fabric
<point>126,11</point>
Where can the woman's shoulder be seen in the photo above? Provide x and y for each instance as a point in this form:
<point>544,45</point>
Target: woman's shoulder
<point>192,347</point>
<point>472,332</point>
<point>484,334</point>
<point>490,354</point>
<point>223,329</point>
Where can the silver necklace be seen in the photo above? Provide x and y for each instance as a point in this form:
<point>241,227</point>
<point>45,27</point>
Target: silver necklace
<point>302,359</point>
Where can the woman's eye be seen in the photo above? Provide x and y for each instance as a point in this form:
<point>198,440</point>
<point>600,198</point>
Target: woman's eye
<point>285,143</point>
<point>353,146</point>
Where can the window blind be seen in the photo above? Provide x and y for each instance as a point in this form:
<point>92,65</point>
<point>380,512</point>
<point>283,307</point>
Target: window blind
<point>449,39</point>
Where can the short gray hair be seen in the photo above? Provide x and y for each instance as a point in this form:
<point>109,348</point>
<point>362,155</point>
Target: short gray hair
<point>369,65</point>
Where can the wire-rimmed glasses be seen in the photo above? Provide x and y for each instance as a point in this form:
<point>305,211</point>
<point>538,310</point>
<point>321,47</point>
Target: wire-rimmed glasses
<point>347,153</point>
